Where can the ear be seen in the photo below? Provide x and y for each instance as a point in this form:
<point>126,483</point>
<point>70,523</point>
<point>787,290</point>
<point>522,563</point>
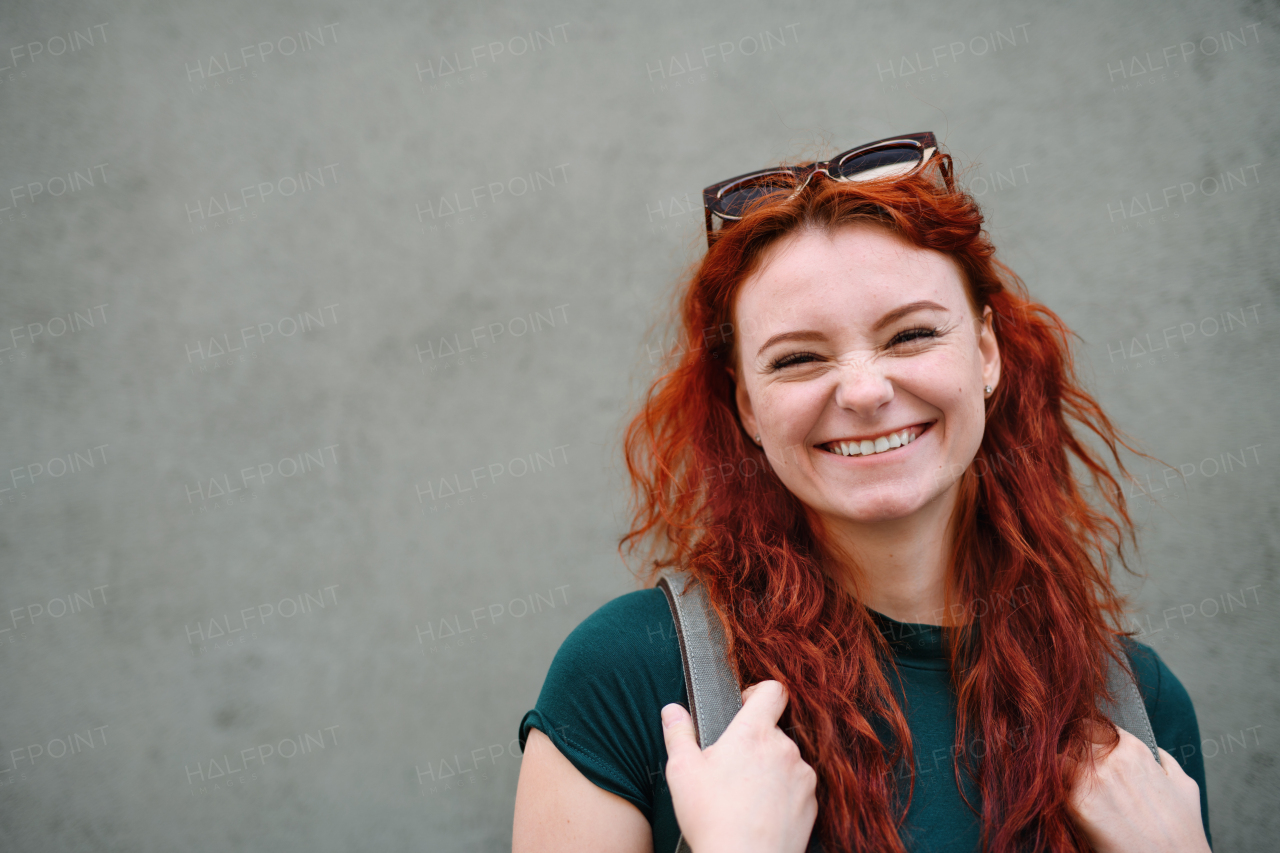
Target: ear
<point>745,413</point>
<point>989,349</point>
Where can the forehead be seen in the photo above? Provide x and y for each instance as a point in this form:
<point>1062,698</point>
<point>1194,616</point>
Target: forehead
<point>855,274</point>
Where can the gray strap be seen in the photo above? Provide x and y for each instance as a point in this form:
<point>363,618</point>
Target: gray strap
<point>1127,711</point>
<point>714,696</point>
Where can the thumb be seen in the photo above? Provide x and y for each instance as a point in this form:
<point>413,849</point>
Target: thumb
<point>678,732</point>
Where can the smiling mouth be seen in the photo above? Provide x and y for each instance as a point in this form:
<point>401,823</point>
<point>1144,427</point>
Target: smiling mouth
<point>885,443</point>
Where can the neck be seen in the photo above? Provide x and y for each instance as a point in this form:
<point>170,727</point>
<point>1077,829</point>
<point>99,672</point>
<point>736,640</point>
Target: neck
<point>901,565</point>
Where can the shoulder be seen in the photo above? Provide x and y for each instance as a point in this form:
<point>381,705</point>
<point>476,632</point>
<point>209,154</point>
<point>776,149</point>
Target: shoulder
<point>619,666</point>
<point>1166,700</point>
<point>641,615</point>
<point>602,698</point>
<point>630,635</point>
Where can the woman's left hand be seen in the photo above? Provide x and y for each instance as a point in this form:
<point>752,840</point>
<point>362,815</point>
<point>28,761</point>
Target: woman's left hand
<point>1126,802</point>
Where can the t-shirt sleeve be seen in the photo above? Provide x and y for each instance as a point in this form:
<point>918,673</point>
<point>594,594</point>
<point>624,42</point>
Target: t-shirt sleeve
<point>601,701</point>
<point>1173,717</point>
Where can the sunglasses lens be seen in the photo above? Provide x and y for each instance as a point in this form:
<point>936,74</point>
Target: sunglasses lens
<point>738,199</point>
<point>880,163</point>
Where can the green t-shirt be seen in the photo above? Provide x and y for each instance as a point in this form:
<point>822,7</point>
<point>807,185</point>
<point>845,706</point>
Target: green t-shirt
<point>600,705</point>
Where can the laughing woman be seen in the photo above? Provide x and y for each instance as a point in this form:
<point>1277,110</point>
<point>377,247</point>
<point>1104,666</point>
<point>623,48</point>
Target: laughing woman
<point>871,457</point>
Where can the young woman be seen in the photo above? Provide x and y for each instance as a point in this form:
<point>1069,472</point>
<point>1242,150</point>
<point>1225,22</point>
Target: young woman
<point>871,455</point>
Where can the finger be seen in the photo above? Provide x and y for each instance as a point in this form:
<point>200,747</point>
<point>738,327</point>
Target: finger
<point>1102,739</point>
<point>764,706</point>
<point>1170,764</point>
<point>1094,750</point>
<point>678,731</point>
<point>1137,749</point>
<point>1077,771</point>
<point>1098,732</point>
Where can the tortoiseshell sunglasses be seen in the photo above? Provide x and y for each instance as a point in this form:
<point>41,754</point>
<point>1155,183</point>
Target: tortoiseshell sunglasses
<point>893,157</point>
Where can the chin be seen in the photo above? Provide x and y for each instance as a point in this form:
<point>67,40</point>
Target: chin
<point>888,506</point>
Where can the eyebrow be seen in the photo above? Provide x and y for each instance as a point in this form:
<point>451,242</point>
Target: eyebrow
<point>891,317</point>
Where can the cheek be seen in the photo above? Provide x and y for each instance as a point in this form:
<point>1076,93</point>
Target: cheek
<point>788,409</point>
<point>967,411</point>
<point>953,387</point>
<point>944,381</point>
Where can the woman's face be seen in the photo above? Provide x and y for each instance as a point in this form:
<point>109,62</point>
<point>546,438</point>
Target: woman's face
<point>860,339</point>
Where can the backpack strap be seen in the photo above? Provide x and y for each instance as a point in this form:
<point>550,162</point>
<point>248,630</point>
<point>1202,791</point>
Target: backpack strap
<point>1127,710</point>
<point>715,696</point>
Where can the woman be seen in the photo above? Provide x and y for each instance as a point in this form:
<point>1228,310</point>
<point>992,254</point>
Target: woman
<point>865,455</point>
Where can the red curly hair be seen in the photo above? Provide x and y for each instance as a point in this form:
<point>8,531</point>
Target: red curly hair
<point>1030,565</point>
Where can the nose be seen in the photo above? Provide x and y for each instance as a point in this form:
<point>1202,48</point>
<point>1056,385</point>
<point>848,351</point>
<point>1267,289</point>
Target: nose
<point>862,389</point>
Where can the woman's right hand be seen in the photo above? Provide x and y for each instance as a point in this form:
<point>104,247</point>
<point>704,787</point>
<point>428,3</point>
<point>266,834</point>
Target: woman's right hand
<point>750,791</point>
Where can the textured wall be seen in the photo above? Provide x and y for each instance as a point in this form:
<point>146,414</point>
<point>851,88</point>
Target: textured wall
<point>242,245</point>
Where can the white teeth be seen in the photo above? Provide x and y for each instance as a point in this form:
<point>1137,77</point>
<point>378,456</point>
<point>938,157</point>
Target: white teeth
<point>868,447</point>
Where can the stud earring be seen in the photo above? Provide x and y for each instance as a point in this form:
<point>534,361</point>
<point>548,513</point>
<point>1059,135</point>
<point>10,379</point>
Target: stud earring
<point>757,439</point>
<point>988,390</point>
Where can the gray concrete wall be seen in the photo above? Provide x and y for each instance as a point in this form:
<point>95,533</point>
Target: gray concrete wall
<point>158,489</point>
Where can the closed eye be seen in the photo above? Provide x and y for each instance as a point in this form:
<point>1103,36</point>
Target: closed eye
<point>910,335</point>
<point>790,359</point>
<point>902,338</point>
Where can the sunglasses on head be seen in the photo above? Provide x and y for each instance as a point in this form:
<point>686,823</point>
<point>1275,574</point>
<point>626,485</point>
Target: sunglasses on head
<point>893,157</point>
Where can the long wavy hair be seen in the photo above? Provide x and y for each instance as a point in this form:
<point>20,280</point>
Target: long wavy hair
<point>1032,612</point>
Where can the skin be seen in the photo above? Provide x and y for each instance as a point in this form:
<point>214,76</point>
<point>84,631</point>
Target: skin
<point>865,373</point>
<point>559,809</point>
<point>1126,801</point>
<point>865,369</point>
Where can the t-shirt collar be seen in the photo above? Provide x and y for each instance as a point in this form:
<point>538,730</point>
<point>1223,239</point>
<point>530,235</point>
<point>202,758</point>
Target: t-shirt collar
<point>910,640</point>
